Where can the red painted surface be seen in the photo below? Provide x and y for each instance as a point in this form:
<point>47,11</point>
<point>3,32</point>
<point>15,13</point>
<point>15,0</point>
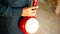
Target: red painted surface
<point>35,2</point>
<point>22,23</point>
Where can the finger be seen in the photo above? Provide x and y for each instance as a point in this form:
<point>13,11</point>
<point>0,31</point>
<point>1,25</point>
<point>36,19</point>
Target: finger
<point>33,7</point>
<point>36,6</point>
<point>32,11</point>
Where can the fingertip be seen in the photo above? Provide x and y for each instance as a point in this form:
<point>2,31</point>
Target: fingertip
<point>34,7</point>
<point>37,6</point>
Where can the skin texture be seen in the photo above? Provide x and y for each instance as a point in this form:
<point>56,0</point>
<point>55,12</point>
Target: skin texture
<point>29,11</point>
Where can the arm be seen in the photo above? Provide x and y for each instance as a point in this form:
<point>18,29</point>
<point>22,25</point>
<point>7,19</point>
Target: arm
<point>14,7</point>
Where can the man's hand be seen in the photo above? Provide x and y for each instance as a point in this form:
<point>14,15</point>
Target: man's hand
<point>29,11</point>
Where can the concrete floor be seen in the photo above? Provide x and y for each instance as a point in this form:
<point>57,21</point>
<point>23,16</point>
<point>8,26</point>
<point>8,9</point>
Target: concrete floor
<point>49,21</point>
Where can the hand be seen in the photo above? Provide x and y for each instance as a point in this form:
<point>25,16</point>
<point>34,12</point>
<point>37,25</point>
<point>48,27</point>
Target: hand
<point>29,11</point>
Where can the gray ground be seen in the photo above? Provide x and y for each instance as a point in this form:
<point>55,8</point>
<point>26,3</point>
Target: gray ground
<point>49,21</point>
